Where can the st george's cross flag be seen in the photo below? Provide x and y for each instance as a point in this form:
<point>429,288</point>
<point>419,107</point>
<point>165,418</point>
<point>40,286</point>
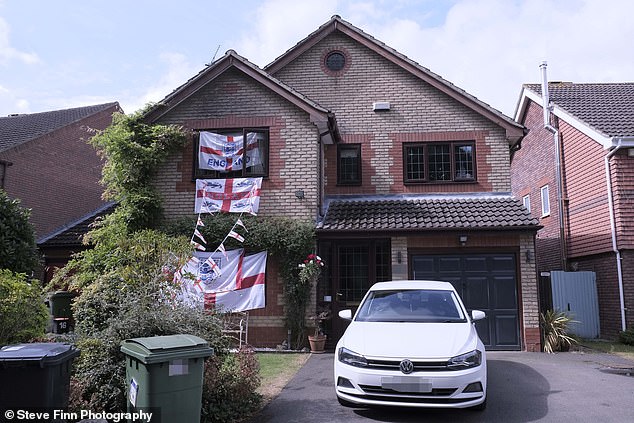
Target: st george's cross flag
<point>214,271</point>
<point>250,292</point>
<point>225,152</point>
<point>235,195</point>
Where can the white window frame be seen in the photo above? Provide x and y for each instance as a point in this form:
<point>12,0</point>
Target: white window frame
<point>526,200</point>
<point>545,193</point>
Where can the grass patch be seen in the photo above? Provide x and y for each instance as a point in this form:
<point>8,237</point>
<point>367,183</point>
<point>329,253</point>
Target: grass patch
<point>622,350</point>
<point>276,369</point>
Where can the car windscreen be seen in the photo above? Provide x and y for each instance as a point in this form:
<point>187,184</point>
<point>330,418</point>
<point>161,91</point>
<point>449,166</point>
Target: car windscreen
<point>412,305</point>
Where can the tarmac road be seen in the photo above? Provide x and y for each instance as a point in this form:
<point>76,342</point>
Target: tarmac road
<point>523,387</point>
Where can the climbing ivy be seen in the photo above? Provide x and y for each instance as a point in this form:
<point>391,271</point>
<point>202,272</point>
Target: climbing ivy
<point>133,150</point>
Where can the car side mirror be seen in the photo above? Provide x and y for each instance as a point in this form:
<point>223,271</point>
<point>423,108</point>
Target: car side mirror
<point>345,314</point>
<point>477,315</point>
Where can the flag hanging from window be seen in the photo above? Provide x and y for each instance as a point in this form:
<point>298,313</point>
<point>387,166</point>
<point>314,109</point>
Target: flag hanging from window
<point>237,195</point>
<point>226,153</point>
<point>250,292</point>
<point>235,283</point>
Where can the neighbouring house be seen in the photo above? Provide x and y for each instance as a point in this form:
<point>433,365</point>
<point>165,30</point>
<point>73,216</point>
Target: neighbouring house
<point>575,173</point>
<point>47,163</point>
<point>404,175</point>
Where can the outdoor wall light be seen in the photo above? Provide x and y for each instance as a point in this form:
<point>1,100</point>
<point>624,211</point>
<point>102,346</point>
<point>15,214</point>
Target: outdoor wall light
<point>463,240</point>
<point>529,256</point>
<point>299,194</point>
<point>399,257</point>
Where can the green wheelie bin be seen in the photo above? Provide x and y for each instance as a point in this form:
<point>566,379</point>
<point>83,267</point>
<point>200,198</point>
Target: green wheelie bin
<point>164,376</point>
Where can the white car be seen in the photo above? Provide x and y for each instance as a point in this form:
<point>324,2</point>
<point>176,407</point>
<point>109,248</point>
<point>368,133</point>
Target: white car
<point>411,344</point>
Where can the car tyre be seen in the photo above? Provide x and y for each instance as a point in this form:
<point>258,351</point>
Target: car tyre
<point>480,407</point>
<point>345,403</point>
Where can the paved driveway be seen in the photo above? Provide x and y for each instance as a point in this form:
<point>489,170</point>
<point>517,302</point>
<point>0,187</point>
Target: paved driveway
<point>523,387</point>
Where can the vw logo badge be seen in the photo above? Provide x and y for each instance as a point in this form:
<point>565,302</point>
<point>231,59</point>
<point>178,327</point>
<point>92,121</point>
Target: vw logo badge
<point>406,366</point>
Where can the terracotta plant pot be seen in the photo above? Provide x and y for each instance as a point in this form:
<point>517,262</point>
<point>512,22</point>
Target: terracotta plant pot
<point>317,343</point>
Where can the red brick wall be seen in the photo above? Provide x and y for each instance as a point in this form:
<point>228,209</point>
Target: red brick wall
<point>604,265</point>
<point>588,213</point>
<point>57,175</point>
<point>234,100</point>
<point>532,167</point>
<point>418,112</point>
<point>622,170</point>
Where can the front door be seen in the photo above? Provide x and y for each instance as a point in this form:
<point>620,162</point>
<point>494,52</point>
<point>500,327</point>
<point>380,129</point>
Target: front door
<point>356,266</point>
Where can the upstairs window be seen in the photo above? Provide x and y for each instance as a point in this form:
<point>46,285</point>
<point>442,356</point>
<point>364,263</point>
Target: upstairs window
<point>527,202</point>
<point>349,164</point>
<point>545,193</point>
<point>233,153</point>
<point>439,162</point>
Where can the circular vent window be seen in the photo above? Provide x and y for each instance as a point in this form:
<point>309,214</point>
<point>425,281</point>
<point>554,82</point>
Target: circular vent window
<point>335,61</point>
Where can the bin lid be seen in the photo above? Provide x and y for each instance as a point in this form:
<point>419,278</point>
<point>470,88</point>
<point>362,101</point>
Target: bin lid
<point>158,349</point>
<point>62,294</point>
<point>43,353</point>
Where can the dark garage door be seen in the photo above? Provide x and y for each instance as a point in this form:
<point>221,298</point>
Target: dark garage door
<point>486,282</point>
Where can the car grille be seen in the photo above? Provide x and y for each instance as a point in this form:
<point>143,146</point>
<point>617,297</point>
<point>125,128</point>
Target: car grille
<point>437,392</point>
<point>419,366</point>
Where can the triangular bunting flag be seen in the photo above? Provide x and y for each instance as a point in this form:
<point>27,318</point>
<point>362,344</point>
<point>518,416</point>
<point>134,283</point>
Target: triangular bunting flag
<point>199,235</point>
<point>235,235</point>
<point>239,222</point>
<point>197,245</point>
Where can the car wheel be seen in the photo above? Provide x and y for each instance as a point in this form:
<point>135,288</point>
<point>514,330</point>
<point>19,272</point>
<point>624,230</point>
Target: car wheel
<point>345,403</point>
<point>480,407</point>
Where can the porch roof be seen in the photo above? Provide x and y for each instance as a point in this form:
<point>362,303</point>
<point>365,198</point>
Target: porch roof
<point>426,212</point>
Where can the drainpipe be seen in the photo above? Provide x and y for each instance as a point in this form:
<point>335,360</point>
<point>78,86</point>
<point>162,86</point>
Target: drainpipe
<point>547,108</point>
<point>619,269</point>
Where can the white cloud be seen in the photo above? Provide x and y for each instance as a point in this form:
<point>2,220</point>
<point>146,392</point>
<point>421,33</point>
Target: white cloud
<point>178,70</point>
<point>276,25</point>
<point>8,53</point>
<point>491,47</point>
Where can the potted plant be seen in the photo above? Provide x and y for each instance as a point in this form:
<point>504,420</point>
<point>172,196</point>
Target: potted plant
<point>309,272</point>
<point>318,340</point>
<point>555,325</point>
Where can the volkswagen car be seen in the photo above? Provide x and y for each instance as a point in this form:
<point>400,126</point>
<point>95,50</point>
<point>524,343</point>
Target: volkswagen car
<point>411,344</point>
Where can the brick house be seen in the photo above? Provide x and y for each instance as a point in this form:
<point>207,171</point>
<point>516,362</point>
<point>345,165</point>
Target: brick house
<point>587,218</point>
<point>46,162</point>
<point>404,175</point>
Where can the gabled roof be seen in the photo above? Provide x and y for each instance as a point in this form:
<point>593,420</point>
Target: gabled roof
<point>513,129</point>
<point>18,129</point>
<point>605,112</point>
<point>425,212</point>
<point>71,235</point>
<point>322,117</point>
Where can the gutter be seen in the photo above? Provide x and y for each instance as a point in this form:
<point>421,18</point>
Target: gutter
<point>618,143</point>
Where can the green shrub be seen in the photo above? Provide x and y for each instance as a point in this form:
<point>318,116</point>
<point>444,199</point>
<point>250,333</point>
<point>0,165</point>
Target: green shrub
<point>555,325</point>
<point>127,292</point>
<point>627,336</point>
<point>229,387</point>
<point>18,251</point>
<point>23,315</point>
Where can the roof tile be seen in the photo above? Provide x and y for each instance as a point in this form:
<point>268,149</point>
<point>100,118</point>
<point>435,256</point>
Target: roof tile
<point>607,107</point>
<point>491,212</point>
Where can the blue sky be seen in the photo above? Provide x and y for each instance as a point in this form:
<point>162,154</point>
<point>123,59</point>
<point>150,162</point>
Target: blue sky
<point>61,54</point>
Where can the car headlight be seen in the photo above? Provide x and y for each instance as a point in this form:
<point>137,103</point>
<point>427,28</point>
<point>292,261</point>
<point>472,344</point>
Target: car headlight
<point>465,361</point>
<point>352,358</point>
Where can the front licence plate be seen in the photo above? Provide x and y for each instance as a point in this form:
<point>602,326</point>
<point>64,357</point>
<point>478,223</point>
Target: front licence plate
<point>406,384</point>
